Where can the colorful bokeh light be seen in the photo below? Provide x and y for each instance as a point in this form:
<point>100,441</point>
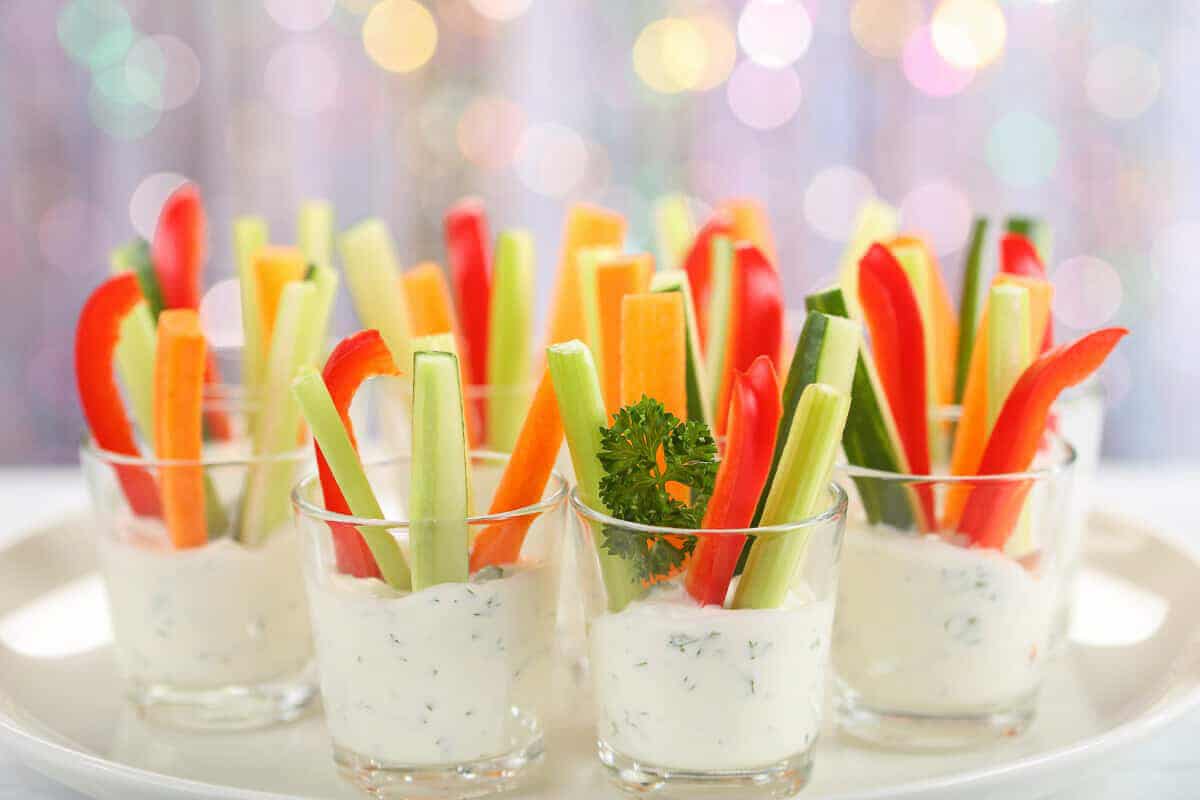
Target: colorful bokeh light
<point>969,34</point>
<point>1122,81</point>
<point>928,71</point>
<point>761,97</point>
<point>1022,148</point>
<point>883,27</point>
<point>400,35</point>
<point>774,33</point>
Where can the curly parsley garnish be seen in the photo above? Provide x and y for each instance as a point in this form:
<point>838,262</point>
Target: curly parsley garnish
<point>634,487</point>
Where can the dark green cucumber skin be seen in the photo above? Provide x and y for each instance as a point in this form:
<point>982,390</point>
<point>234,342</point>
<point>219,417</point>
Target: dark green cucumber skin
<point>136,256</point>
<point>968,317</point>
<point>866,439</point>
<point>1023,226</point>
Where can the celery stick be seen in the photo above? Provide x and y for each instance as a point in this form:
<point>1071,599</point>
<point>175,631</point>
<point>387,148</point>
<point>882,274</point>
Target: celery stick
<point>250,236</point>
<point>589,259</point>
<point>135,365</point>
<point>876,222</point>
<point>968,306</point>
<point>265,501</point>
<point>674,229</point>
<point>1009,347</point>
<point>581,404</point>
<point>510,330</point>
<point>441,343</point>
<point>676,280</point>
<point>796,493</point>
<point>325,281</point>
<point>439,500</point>
<point>313,397</point>
<point>1036,231</point>
<point>718,315</point>
<point>314,232</point>
<point>373,276</point>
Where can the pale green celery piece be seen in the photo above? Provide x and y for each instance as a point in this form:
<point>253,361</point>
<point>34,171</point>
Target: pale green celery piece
<point>796,492</point>
<point>373,277</point>
<point>876,222</point>
<point>439,499</point>
<point>589,260</point>
<point>718,315</point>
<point>325,281</point>
<point>249,236</point>
<point>510,330</point>
<point>135,364</point>
<point>1009,348</point>
<point>581,403</point>
<point>265,501</point>
<point>674,229</point>
<point>676,280</point>
<point>314,232</point>
<point>968,306</point>
<point>440,343</point>
<point>317,406</point>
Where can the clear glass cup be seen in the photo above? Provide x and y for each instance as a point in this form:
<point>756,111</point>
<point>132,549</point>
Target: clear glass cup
<point>938,644</point>
<point>215,636</point>
<point>694,698</point>
<point>441,692</point>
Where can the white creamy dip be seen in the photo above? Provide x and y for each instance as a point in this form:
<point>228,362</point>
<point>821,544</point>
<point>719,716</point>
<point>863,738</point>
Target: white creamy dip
<point>206,617</point>
<point>450,674</point>
<point>926,626</point>
<point>682,686</point>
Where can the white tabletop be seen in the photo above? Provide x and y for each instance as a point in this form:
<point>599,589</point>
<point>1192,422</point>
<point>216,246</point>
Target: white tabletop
<point>1167,767</point>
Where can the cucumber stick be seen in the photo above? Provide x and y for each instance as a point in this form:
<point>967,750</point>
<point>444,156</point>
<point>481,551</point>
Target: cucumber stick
<point>312,395</point>
<point>1009,347</point>
<point>795,494</point>
<point>510,329</point>
<point>876,222</point>
<point>439,497</point>
<point>314,232</point>
<point>265,501</point>
<point>871,439</point>
<point>373,277</point>
<point>828,353</point>
<point>589,260</point>
<point>249,236</point>
<point>581,404</point>
<point>718,315</point>
<point>676,280</point>
<point>674,229</point>
<point>968,305</point>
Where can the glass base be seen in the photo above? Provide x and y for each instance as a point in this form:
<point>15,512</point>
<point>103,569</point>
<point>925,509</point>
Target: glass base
<point>226,708</point>
<point>902,730</point>
<point>469,779</point>
<point>781,779</point>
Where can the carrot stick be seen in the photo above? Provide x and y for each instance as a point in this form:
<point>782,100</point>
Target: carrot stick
<point>615,279</point>
<point>179,360</point>
<point>972,432</point>
<point>524,479</point>
<point>750,224</point>
<point>430,307</point>
<point>274,267</point>
<point>587,226</point>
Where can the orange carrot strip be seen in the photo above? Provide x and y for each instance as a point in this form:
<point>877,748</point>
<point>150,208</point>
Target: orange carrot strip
<point>615,279</point>
<point>750,224</point>
<point>430,309</point>
<point>587,226</point>
<point>274,267</point>
<point>179,360</point>
<point>524,479</point>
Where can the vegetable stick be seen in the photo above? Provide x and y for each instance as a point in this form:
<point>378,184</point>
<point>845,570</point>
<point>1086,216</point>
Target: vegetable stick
<point>676,280</point>
<point>876,222</point>
<point>135,257</point>
<point>969,306</point>
<point>590,259</point>
<point>718,319</point>
<point>587,226</point>
<point>249,236</point>
<point>654,351</point>
<point>937,309</point>
<point>135,349</point>
<point>524,480</point>
<point>750,224</point>
<point>704,272</point>
<point>614,280</point>
<point>179,247</point>
<point>179,362</point>
<point>1035,230</point>
<point>274,268</point>
<point>1009,347</point>
<point>427,295</point>
<point>325,281</point>
<point>470,260</point>
<point>314,232</point>
<point>510,330</point>
<point>674,229</point>
<point>372,275</point>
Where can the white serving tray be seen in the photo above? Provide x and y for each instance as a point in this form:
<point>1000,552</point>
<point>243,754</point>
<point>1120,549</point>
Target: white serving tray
<point>1133,666</point>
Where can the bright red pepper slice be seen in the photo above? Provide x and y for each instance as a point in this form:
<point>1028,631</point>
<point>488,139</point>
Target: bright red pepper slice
<point>468,249</point>
<point>992,509</point>
<point>893,318</point>
<point>754,414</point>
<point>698,265</point>
<point>1019,256</point>
<point>356,358</point>
<point>755,321</point>
<point>96,337</point>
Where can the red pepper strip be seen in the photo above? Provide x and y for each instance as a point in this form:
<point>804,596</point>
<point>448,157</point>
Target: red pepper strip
<point>470,258</point>
<point>898,340</point>
<point>1019,256</point>
<point>755,321</point>
<point>754,415</point>
<point>355,359</point>
<point>698,265</point>
<point>178,256</point>
<point>96,337</point>
<point>992,509</point>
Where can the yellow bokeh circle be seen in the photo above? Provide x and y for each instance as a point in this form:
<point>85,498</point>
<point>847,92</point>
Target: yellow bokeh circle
<point>400,35</point>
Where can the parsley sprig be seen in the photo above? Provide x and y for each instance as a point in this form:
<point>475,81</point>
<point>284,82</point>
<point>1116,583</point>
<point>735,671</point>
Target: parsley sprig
<point>634,487</point>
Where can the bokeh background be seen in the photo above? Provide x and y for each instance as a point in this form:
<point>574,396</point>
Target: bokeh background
<point>1081,111</point>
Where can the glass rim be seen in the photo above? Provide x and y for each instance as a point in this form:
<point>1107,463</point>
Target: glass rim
<point>837,508</point>
<point>312,511</point>
<point>88,447</point>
